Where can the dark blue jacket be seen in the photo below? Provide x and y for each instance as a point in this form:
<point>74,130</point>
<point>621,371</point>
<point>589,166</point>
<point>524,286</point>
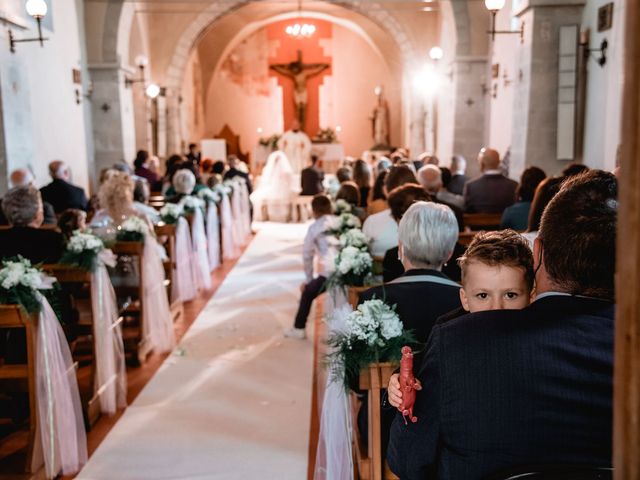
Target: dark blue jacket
<point>512,387</point>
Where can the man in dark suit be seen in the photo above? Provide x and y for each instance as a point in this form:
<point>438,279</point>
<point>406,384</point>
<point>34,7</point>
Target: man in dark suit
<point>193,155</point>
<point>492,192</point>
<point>458,177</point>
<point>430,177</point>
<point>22,207</point>
<point>60,193</point>
<point>233,161</point>
<point>311,178</point>
<point>508,388</point>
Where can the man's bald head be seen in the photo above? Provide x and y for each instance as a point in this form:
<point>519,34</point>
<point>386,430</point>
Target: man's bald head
<point>489,159</point>
<point>59,170</point>
<point>430,178</point>
<point>21,177</point>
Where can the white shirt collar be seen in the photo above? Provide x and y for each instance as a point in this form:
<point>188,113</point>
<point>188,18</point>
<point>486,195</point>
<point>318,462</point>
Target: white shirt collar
<point>493,172</point>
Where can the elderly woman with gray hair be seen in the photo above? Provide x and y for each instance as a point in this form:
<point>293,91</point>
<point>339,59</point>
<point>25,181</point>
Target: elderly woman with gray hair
<point>427,235</point>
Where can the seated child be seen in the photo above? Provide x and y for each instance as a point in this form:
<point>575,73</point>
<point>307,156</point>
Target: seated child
<point>71,220</point>
<point>497,274</point>
<point>316,244</point>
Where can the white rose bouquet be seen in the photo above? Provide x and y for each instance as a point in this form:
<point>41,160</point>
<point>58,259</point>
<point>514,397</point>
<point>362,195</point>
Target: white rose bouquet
<point>342,223</point>
<point>354,268</point>
<point>83,250</point>
<point>170,213</point>
<point>354,238</point>
<point>373,333</point>
<point>342,206</point>
<point>190,203</point>
<point>20,283</point>
<point>133,229</point>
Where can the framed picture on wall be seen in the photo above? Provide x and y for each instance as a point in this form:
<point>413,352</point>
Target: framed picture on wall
<point>605,17</point>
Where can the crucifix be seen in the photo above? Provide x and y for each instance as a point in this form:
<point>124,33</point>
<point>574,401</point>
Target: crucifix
<point>300,72</point>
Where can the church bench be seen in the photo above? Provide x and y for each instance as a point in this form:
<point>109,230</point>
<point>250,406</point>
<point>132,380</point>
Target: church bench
<point>78,283</point>
<point>368,455</point>
<point>22,377</point>
<point>168,234</point>
<point>135,342</point>
<point>482,221</point>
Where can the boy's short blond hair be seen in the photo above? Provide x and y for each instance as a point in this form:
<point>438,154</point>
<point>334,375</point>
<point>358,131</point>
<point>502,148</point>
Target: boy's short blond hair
<point>500,248</point>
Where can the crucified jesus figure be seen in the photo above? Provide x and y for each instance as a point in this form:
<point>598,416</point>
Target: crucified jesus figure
<point>300,72</point>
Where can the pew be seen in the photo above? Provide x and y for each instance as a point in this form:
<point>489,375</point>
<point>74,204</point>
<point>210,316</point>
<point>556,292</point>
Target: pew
<point>168,232</point>
<point>368,456</point>
<point>22,377</point>
<point>135,342</point>
<point>482,221</point>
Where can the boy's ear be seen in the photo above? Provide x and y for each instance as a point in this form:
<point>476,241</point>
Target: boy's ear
<point>463,299</point>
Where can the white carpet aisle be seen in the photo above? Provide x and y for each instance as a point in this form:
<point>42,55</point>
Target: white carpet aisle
<point>234,399</point>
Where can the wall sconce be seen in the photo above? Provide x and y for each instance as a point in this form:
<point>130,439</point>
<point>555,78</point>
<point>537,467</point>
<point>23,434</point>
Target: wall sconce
<point>153,90</point>
<point>87,94</point>
<point>141,62</point>
<point>494,6</point>
<point>602,51</point>
<point>37,9</point>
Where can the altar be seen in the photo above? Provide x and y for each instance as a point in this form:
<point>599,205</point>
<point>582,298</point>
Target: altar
<point>330,156</point>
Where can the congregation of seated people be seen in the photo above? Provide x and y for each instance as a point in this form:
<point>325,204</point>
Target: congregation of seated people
<point>541,320</point>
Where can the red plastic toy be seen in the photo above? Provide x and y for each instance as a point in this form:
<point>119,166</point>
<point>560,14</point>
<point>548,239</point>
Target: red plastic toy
<point>407,385</point>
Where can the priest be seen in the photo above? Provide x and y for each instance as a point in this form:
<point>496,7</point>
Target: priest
<point>297,147</point>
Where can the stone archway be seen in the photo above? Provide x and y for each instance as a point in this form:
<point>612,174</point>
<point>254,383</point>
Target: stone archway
<point>190,36</point>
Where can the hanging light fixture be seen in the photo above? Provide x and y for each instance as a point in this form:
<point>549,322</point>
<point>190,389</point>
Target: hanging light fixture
<point>300,29</point>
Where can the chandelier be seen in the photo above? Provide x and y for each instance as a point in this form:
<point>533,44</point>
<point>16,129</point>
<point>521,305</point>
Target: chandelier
<point>300,29</point>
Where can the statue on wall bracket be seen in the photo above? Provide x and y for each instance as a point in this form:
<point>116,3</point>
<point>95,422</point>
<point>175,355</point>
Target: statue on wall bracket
<point>380,123</point>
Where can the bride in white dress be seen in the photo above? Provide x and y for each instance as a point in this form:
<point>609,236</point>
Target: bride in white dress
<point>276,188</point>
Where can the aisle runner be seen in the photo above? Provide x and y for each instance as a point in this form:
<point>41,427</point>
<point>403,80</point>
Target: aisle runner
<point>236,404</point>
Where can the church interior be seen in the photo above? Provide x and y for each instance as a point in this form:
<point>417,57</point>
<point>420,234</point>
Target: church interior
<point>207,206</point>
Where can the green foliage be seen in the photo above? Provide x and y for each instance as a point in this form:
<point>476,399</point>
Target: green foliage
<point>86,260</point>
<point>129,236</point>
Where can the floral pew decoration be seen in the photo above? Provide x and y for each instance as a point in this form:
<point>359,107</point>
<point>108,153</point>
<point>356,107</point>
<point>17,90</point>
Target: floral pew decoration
<point>88,252</point>
<point>373,333</point>
<point>183,285</point>
<point>212,199</point>
<point>230,245</point>
<point>240,208</point>
<point>59,413</point>
<point>195,206</point>
<point>157,324</point>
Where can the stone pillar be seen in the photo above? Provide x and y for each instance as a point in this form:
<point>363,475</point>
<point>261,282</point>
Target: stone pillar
<point>112,114</point>
<point>469,132</point>
<point>535,109</point>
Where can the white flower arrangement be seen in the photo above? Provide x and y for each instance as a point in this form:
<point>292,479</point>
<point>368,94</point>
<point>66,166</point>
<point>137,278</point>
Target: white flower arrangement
<point>344,222</point>
<point>342,206</point>
<point>85,250</point>
<point>133,229</point>
<point>20,283</point>
<point>135,224</point>
<point>189,203</point>
<point>372,333</point>
<point>374,322</point>
<point>208,195</point>
<point>354,238</point>
<point>353,260</point>
<point>20,273</point>
<point>84,241</point>
<point>171,212</point>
